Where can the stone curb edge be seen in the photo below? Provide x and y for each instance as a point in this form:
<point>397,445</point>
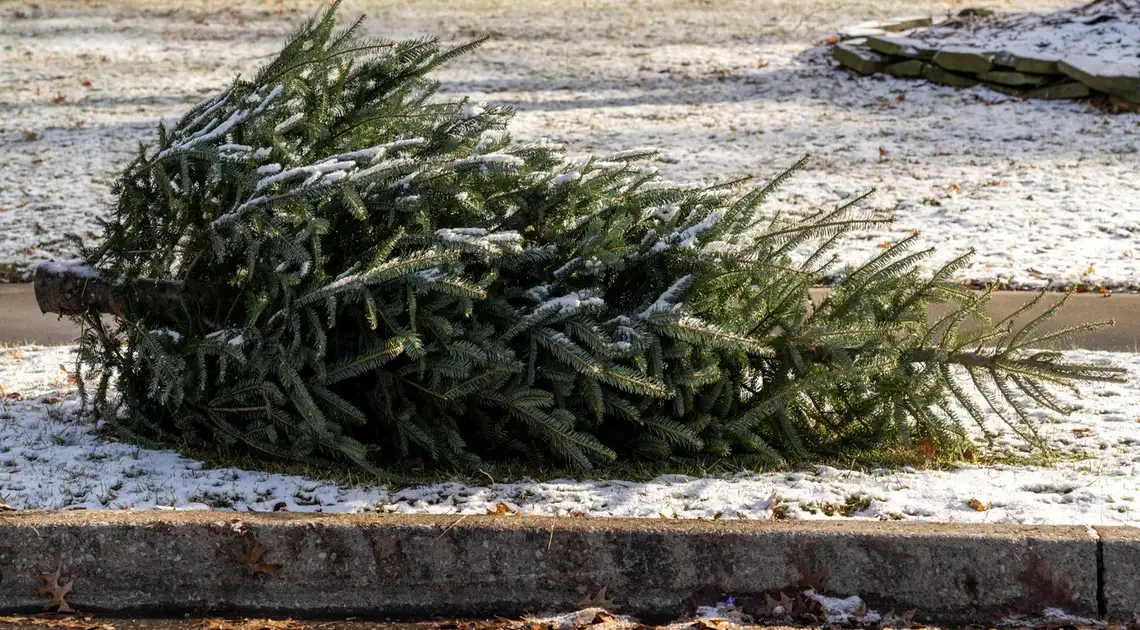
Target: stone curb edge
<point>413,566</point>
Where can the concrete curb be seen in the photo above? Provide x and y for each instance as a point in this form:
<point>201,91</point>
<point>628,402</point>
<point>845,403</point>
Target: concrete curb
<point>22,323</point>
<point>425,566</point>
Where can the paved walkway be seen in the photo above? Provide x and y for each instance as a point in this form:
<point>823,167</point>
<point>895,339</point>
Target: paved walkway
<point>22,323</point>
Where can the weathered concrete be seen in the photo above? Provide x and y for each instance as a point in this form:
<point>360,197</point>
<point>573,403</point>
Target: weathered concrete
<point>21,321</point>
<point>1121,578</point>
<point>444,565</point>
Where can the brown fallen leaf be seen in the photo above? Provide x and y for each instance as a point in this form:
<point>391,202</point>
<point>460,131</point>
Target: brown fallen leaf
<point>87,623</point>
<point>252,561</point>
<point>977,505</point>
<point>815,580</point>
<point>599,601</point>
<point>249,624</point>
<point>57,591</point>
<point>778,606</point>
<point>501,509</point>
<point>1082,432</point>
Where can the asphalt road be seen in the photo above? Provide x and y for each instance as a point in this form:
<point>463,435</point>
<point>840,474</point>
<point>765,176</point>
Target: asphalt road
<point>21,322</point>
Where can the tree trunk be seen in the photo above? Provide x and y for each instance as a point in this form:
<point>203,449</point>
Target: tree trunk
<point>78,288</point>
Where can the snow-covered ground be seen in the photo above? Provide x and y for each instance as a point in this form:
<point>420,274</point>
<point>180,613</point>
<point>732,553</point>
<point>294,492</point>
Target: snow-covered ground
<point>1041,189</point>
<point>51,459</point>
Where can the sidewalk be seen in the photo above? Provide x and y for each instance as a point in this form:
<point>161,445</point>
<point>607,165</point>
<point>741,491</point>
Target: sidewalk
<point>21,322</point>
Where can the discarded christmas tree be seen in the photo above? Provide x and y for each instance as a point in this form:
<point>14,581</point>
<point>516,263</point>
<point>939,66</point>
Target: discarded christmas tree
<point>327,261</point>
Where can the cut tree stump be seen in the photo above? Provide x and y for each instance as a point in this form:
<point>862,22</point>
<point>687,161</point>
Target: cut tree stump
<point>79,289</point>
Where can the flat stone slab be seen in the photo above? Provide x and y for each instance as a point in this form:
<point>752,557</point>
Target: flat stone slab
<point>1027,62</point>
<point>1008,90</point>
<point>1060,91</point>
<point>901,47</point>
<point>860,32</point>
<point>882,27</point>
<point>854,55</point>
<point>1014,78</point>
<point>443,565</point>
<point>1116,79</point>
<point>941,76</point>
<point>906,69</point>
<point>967,60</point>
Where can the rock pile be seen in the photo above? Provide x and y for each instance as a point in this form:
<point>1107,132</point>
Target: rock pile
<point>1058,67</point>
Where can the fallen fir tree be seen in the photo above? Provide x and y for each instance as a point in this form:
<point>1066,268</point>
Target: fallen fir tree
<point>326,261</point>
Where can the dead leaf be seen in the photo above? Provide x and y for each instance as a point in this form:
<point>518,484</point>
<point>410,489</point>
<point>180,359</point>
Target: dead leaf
<point>977,505</point>
<point>57,591</point>
<point>882,155</point>
<point>955,187</point>
<point>599,601</point>
<point>501,509</point>
<point>901,97</point>
<point>58,98</point>
<point>31,136</point>
<point>252,560</point>
<point>249,624</point>
<point>56,622</point>
<point>86,83</point>
<point>928,448</point>
<point>861,611</point>
<point>812,579</point>
<point>1081,432</point>
<point>778,606</point>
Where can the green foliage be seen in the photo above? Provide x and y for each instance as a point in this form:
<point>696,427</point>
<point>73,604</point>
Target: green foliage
<point>372,273</point>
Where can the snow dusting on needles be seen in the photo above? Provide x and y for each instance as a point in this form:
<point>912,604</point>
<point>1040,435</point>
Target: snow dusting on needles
<point>50,458</point>
<point>471,110</point>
